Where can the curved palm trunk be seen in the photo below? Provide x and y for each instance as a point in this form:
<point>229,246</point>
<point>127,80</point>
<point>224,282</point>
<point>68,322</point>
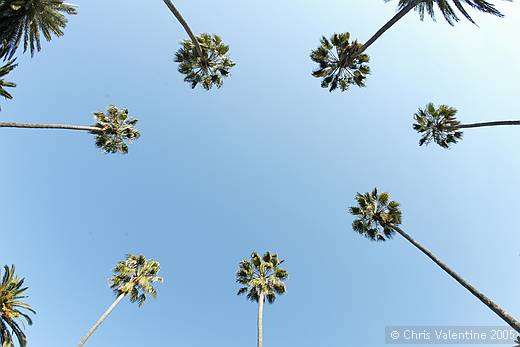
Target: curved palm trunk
<point>100,320</point>
<point>186,27</point>
<point>49,126</point>
<point>485,300</point>
<point>389,24</point>
<point>260,317</point>
<point>489,124</point>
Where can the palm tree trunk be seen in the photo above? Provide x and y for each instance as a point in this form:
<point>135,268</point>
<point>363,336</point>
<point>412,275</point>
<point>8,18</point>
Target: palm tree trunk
<point>186,27</point>
<point>485,300</point>
<point>49,126</point>
<point>100,320</point>
<point>260,317</point>
<point>489,124</point>
<point>389,24</point>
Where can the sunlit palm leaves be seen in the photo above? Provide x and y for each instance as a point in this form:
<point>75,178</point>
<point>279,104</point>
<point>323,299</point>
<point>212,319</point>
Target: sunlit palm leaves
<point>449,11</point>
<point>340,65</point>
<point>209,70</point>
<point>12,309</point>
<point>118,129</point>
<point>135,277</point>
<point>438,125</point>
<point>28,19</point>
<point>261,275</point>
<point>4,70</point>
<point>376,215</point>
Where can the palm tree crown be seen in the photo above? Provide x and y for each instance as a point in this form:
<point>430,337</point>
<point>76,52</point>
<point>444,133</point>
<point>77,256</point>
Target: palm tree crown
<point>28,18</point>
<point>340,64</point>
<point>448,11</point>
<point>135,277</point>
<point>4,70</point>
<point>208,70</point>
<point>118,129</point>
<point>12,308</point>
<point>376,215</point>
<point>438,125</point>
<point>261,275</point>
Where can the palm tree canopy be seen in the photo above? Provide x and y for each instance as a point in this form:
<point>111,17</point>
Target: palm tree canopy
<point>438,125</point>
<point>118,130</point>
<point>28,19</point>
<point>376,215</point>
<point>4,70</point>
<point>12,308</point>
<point>261,275</point>
<point>449,10</point>
<point>208,70</point>
<point>135,277</point>
<point>339,64</point>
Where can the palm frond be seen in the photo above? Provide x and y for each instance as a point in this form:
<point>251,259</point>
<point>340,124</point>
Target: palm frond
<point>27,20</point>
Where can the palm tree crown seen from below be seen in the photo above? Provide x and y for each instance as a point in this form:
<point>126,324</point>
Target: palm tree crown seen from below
<point>12,308</point>
<point>204,58</point>
<point>261,275</point>
<point>26,20</point>
<point>114,129</point>
<point>208,70</point>
<point>4,70</point>
<point>117,130</point>
<point>133,277</point>
<point>376,215</point>
<point>339,64</point>
<point>261,278</point>
<point>437,124</point>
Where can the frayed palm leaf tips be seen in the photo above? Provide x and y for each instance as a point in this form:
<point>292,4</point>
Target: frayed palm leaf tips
<point>437,125</point>
<point>448,11</point>
<point>208,70</point>
<point>12,308</point>
<point>117,130</point>
<point>4,70</point>
<point>339,63</point>
<point>27,20</point>
<point>376,215</point>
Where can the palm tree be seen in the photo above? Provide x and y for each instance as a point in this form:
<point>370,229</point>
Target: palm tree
<point>337,61</point>
<point>133,277</point>
<point>261,278</point>
<point>203,58</point>
<point>439,125</point>
<point>335,69</point>
<point>29,18</point>
<point>114,129</point>
<point>378,219</point>
<point>12,308</point>
<point>4,70</point>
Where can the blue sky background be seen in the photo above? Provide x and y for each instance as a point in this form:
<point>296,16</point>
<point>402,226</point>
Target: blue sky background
<point>269,162</point>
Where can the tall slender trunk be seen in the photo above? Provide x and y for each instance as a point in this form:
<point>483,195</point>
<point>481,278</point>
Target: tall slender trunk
<point>186,27</point>
<point>100,320</point>
<point>49,126</point>
<point>389,24</point>
<point>489,124</point>
<point>485,300</point>
<point>260,317</point>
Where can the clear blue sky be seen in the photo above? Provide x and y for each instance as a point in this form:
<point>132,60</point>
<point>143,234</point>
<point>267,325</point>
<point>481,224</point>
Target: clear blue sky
<point>269,162</point>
